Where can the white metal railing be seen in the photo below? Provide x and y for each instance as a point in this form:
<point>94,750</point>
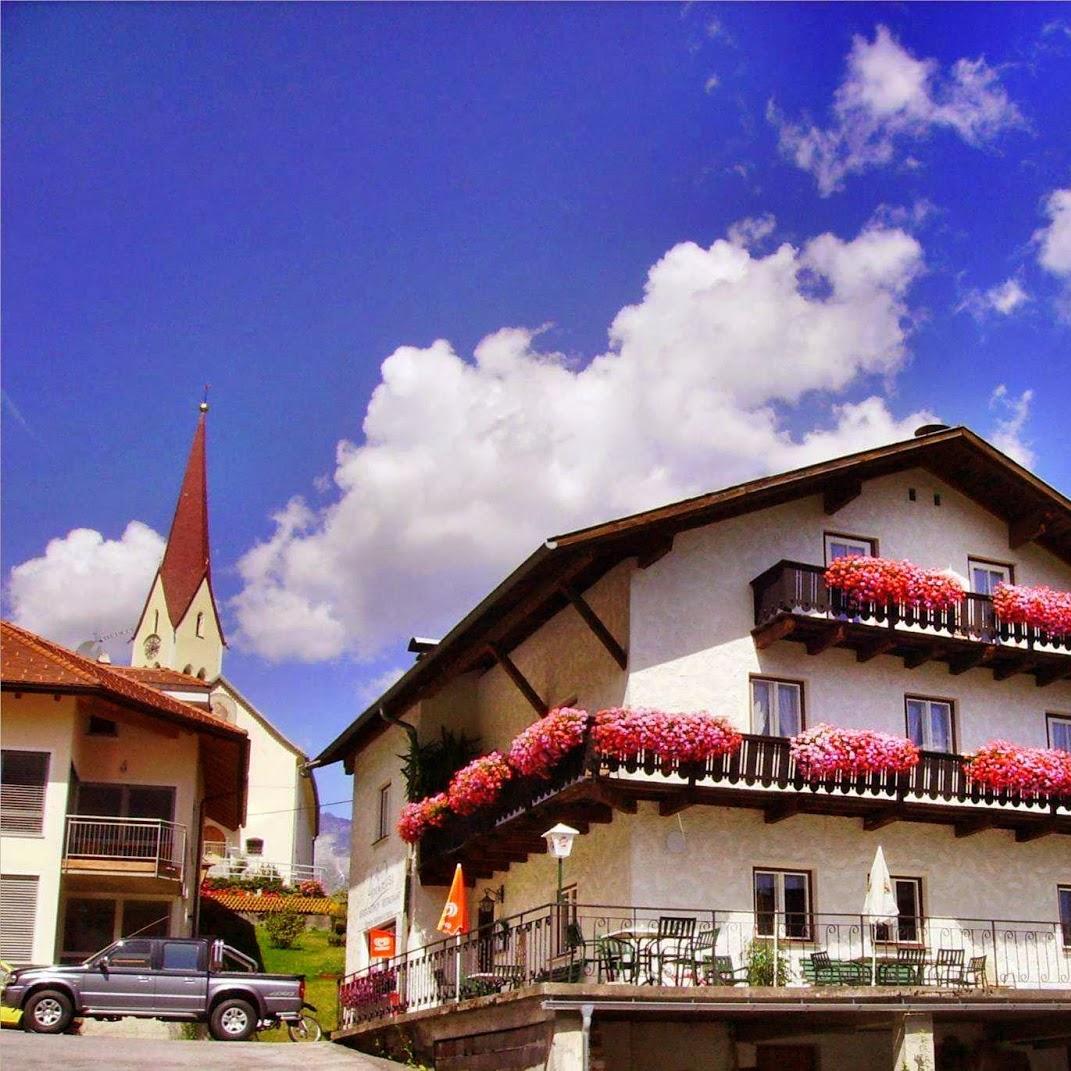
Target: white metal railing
<point>214,849</point>
<point>158,846</point>
<point>236,864</point>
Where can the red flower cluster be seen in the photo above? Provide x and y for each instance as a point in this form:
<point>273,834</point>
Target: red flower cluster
<point>370,988</point>
<point>826,750</point>
<point>682,737</point>
<point>884,581</point>
<point>311,887</point>
<point>417,817</point>
<point>1041,607</point>
<point>478,784</point>
<point>540,747</point>
<point>1032,771</point>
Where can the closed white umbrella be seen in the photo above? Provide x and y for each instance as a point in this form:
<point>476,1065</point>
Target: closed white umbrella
<point>879,906</point>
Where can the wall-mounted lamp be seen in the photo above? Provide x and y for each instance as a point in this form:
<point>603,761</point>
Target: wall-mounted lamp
<point>493,896</point>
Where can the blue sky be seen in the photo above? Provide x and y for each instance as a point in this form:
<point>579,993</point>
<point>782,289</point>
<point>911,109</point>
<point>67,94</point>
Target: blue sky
<point>664,248</point>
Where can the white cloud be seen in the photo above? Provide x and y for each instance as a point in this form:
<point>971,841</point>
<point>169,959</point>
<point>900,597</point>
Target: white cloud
<point>374,687</point>
<point>1007,434</point>
<point>1054,245</point>
<point>85,586</point>
<point>467,464</point>
<point>1004,298</point>
<point>752,230</point>
<point>888,96</point>
<point>711,84</point>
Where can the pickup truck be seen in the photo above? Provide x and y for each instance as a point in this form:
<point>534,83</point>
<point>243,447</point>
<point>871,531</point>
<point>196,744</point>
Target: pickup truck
<point>197,979</point>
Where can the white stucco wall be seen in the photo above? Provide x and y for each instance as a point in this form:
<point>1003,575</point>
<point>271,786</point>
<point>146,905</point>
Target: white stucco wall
<point>180,646</point>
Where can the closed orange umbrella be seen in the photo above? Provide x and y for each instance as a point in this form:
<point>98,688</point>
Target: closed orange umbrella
<point>455,917</point>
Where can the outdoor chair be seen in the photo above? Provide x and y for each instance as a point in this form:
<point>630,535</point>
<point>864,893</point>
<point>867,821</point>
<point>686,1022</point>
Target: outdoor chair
<point>948,967</point>
<point>907,970</point>
<point>672,947</point>
<point>837,972</point>
<point>618,960</point>
<point>974,973</point>
<point>569,965</point>
<point>701,952</point>
<point>719,970</point>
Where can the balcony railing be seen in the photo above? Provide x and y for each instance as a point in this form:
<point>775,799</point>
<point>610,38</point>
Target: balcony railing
<point>596,944</point>
<point>137,846</point>
<point>793,601</point>
<point>232,863</point>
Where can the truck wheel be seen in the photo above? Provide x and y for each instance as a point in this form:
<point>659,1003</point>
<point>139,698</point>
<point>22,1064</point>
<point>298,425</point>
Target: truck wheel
<point>232,1020</point>
<point>48,1012</point>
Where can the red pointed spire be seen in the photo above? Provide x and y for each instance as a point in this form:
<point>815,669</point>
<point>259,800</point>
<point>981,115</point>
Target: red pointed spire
<point>186,559</point>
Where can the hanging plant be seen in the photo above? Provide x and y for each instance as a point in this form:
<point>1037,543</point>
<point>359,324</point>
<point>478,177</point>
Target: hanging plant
<point>825,751</point>
<point>478,784</point>
<point>427,768</point>
<point>418,817</point>
<point>539,748</point>
<point>696,737</point>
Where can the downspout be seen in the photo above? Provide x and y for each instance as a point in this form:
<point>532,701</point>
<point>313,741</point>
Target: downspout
<point>586,1012</point>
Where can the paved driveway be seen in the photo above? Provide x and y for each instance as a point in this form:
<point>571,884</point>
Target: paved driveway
<point>20,1051</point>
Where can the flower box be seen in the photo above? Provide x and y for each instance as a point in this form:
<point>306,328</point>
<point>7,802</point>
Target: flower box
<point>1030,771</point>
<point>539,748</point>
<point>417,817</point>
<point>883,581</point>
<point>1039,607</point>
<point>826,751</point>
<point>652,735</point>
<point>478,784</point>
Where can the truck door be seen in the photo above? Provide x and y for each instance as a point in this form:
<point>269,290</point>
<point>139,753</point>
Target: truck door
<point>123,981</point>
<point>182,980</point>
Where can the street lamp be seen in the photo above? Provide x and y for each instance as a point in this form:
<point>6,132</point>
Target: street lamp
<point>560,842</point>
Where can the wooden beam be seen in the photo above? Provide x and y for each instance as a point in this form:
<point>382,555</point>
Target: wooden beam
<point>829,639</point>
<point>778,812</point>
<point>921,657</point>
<point>656,551</point>
<point>598,814</point>
<point>968,661</point>
<point>667,808</point>
<point>973,825</point>
<point>882,818</point>
<point>838,495</point>
<point>594,622</point>
<point>604,793</point>
<point>776,630</point>
<point>1028,527</point>
<point>518,679</point>
<point>874,648</point>
<point>1011,668</point>
<point>1036,832</point>
<point>1044,677</point>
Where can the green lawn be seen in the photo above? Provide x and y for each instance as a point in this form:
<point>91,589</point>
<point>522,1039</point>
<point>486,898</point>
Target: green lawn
<point>310,956</point>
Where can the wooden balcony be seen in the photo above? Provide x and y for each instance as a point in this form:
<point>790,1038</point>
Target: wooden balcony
<point>146,851</point>
<point>792,602</point>
<point>589,789</point>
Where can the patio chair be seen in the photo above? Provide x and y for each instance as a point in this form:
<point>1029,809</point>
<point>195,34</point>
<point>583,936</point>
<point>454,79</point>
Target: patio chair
<point>719,970</point>
<point>907,970</point>
<point>672,947</point>
<point>701,952</point>
<point>948,967</point>
<point>974,973</point>
<point>837,972</point>
<point>618,960</point>
<point>570,963</point>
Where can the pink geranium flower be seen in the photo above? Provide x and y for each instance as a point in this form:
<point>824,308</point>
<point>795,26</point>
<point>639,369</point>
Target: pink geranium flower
<point>825,750</point>
<point>695,737</point>
<point>478,784</point>
<point>1031,771</point>
<point>1040,607</point>
<point>883,581</point>
<point>540,747</point>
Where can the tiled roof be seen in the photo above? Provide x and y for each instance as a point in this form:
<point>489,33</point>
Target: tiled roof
<point>161,677</point>
<point>250,902</point>
<point>35,663</point>
<point>186,559</point>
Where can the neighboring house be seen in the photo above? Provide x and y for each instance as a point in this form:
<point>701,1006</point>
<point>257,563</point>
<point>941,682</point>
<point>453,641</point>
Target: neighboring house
<point>178,648</point>
<point>105,783</point>
<point>719,603</point>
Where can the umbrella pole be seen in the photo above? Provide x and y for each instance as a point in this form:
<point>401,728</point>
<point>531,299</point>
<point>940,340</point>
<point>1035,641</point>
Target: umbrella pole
<point>873,955</point>
<point>457,969</point>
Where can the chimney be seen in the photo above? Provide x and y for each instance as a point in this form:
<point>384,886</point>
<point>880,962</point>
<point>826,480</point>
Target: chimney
<point>929,429</point>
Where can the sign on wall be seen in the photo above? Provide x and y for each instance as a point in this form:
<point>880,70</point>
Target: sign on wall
<point>382,895</point>
<point>380,944</point>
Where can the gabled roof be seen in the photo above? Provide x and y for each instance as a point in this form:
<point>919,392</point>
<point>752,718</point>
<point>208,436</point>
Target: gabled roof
<point>30,663</point>
<point>163,678</point>
<point>532,594</point>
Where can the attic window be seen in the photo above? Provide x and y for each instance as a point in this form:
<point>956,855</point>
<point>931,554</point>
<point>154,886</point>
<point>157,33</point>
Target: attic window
<point>102,726</point>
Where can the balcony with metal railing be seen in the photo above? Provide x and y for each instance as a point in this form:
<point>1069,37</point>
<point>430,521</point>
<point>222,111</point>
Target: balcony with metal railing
<point>793,602</point>
<point>136,848</point>
<point>589,788</point>
<point>230,862</point>
<point>720,957</point>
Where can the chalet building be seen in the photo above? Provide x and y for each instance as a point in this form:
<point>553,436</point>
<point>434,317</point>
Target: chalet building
<point>711,912</point>
<point>178,649</point>
<point>105,782</point>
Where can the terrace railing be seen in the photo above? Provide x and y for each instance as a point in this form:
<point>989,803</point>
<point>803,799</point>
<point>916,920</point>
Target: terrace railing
<point>235,864</point>
<point>141,846</point>
<point>587,944</point>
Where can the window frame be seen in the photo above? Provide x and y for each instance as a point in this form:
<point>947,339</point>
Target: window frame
<point>383,812</point>
<point>919,917</point>
<point>96,725</point>
<point>972,561</point>
<point>1062,719</point>
<point>1063,900</point>
<point>257,853</point>
<point>952,719</point>
<point>50,753</point>
<point>792,681</point>
<point>779,895</point>
<point>827,535</point>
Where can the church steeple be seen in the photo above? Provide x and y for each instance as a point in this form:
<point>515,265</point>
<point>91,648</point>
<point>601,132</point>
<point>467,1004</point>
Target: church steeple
<point>180,627</point>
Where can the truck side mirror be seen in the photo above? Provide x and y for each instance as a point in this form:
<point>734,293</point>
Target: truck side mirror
<point>104,963</point>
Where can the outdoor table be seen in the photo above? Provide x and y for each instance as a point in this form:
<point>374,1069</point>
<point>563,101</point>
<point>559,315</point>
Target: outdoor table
<point>883,965</point>
<point>644,937</point>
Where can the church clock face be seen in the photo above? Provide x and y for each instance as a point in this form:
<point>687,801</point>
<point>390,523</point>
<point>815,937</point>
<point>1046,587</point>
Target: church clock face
<point>152,646</point>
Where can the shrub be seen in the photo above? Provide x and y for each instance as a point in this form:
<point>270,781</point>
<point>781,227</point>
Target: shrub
<point>284,928</point>
<point>763,967</point>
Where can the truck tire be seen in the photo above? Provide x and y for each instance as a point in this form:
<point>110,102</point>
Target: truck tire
<point>48,1011</point>
<point>232,1020</point>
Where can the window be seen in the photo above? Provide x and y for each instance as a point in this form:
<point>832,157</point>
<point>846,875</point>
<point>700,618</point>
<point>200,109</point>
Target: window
<point>199,627</point>
<point>383,821</point>
<point>844,546</point>
<point>254,846</point>
<point>181,956</point>
<point>985,576</point>
<point>1064,894</point>
<point>783,897</point>
<point>18,913</point>
<point>929,724</point>
<point>1059,726</point>
<point>776,707</point>
<point>567,920</point>
<point>88,926</point>
<point>145,918</point>
<point>102,726</point>
<point>135,954</point>
<point>23,780</point>
<point>908,893</point>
